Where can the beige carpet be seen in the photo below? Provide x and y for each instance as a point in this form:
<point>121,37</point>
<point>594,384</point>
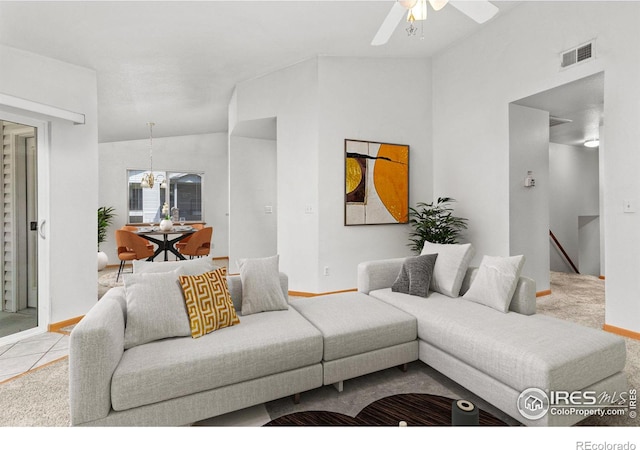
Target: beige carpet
<point>40,397</point>
<point>580,298</point>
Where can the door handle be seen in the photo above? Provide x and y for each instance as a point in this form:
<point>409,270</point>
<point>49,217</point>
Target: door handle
<point>41,229</point>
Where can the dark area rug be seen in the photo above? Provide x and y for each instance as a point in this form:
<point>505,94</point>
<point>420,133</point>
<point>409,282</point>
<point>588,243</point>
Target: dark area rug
<point>414,409</point>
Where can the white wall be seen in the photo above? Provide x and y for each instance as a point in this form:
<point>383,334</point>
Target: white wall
<point>73,171</point>
<point>513,57</point>
<point>529,206</point>
<point>290,95</point>
<point>253,187</point>
<point>319,103</point>
<point>574,192</point>
<point>370,100</point>
<point>194,153</point>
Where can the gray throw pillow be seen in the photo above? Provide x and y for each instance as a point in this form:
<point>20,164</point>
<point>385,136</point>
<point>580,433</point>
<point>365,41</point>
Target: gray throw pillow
<point>261,289</point>
<point>415,276</point>
<point>155,308</point>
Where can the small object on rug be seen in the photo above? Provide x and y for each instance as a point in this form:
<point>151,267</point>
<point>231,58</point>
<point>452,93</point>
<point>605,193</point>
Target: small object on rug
<point>464,414</point>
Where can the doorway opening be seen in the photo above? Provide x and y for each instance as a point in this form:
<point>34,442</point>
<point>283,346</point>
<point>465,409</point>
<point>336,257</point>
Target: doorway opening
<point>19,309</point>
<point>571,172</point>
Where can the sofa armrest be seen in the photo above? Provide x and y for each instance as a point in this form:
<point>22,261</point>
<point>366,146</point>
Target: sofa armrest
<point>96,345</point>
<point>380,274</point>
<point>524,297</point>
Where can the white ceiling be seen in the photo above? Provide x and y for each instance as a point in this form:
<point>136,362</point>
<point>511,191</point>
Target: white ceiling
<point>175,63</point>
<point>581,102</point>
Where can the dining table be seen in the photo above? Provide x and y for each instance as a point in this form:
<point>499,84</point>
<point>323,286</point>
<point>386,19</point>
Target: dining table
<point>165,239</point>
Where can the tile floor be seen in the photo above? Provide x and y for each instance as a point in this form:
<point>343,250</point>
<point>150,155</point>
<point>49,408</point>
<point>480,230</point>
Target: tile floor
<point>36,351</point>
<point>32,352</point>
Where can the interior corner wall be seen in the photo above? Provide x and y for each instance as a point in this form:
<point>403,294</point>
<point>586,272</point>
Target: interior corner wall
<point>290,95</point>
<point>573,193</point>
<point>368,99</point>
<point>513,57</point>
<point>73,171</point>
<point>529,206</point>
<point>253,190</point>
<point>192,153</point>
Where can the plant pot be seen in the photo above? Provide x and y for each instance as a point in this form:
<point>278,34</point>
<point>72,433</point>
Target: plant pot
<point>103,259</point>
<point>166,225</point>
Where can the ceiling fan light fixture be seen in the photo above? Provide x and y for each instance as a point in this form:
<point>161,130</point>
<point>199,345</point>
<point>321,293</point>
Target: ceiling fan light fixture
<point>437,5</point>
<point>408,4</point>
<point>418,11</point>
<point>591,143</point>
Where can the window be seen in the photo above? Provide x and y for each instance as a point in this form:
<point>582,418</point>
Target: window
<point>184,199</point>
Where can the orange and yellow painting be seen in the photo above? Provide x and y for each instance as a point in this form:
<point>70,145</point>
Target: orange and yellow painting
<point>376,183</point>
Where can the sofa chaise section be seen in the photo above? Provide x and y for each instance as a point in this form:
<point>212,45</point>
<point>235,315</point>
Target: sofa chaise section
<point>499,355</point>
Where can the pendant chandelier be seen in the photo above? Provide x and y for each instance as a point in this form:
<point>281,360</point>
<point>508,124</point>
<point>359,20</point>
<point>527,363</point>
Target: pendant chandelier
<point>148,178</point>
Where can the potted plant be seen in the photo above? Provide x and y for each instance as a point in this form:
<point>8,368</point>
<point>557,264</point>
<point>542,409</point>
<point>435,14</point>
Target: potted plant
<point>105,218</point>
<point>434,223</point>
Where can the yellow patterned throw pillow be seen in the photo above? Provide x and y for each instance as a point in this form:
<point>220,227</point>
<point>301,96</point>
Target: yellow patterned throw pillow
<point>208,302</point>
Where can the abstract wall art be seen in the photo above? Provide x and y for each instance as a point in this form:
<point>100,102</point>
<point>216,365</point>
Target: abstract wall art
<point>377,183</point>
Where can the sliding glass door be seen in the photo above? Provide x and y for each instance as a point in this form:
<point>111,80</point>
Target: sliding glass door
<point>19,237</point>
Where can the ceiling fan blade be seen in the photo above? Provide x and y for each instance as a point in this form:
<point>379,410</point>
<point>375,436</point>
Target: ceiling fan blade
<point>390,24</point>
<point>478,10</point>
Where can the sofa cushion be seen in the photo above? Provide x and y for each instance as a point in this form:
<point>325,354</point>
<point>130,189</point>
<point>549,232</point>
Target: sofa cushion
<point>517,350</point>
<point>261,345</point>
<point>415,276</point>
<point>155,308</point>
<point>451,266</point>
<point>353,323</point>
<point>208,302</point>
<point>261,290</point>
<point>496,281</point>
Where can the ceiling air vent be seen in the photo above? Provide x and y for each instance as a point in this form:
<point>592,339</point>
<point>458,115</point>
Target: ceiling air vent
<point>578,54</point>
<point>555,121</point>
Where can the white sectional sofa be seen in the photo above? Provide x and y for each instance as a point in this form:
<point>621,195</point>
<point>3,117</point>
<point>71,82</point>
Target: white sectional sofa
<point>291,346</point>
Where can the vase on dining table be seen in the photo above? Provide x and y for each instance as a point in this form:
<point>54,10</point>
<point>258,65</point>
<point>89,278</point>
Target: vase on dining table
<point>166,224</point>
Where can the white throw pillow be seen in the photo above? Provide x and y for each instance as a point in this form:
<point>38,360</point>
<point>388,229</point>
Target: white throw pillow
<point>451,266</point>
<point>261,289</point>
<point>496,281</point>
<point>196,266</point>
<point>155,308</point>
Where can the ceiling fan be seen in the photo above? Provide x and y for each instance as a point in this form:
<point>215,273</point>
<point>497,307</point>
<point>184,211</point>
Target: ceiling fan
<point>478,10</point>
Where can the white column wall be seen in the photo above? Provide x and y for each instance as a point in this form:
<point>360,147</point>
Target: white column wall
<point>369,99</point>
<point>71,227</point>
<point>253,187</point>
<point>475,80</point>
<point>529,206</point>
<point>291,95</point>
<point>194,153</point>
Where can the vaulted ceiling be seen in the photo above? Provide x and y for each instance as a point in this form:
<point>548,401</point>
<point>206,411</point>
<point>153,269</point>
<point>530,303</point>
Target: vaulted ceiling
<point>175,63</point>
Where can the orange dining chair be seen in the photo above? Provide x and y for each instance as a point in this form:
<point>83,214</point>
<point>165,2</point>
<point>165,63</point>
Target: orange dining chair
<point>131,247</point>
<point>182,243</point>
<point>134,229</point>
<point>199,244</point>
